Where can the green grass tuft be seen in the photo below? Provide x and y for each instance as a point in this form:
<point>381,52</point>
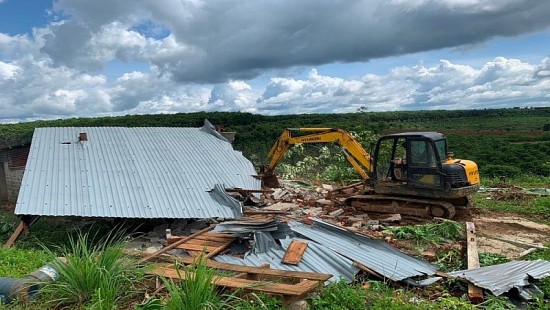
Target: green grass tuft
<point>197,291</point>
<point>97,274</point>
<point>340,295</point>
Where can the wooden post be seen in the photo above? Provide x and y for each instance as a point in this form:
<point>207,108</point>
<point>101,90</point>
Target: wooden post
<point>474,293</point>
<point>23,228</point>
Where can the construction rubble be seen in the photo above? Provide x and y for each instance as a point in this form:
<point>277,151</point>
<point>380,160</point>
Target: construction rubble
<point>294,240</point>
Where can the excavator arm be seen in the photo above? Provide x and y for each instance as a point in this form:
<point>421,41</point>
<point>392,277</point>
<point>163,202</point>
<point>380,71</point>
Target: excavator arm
<point>354,152</point>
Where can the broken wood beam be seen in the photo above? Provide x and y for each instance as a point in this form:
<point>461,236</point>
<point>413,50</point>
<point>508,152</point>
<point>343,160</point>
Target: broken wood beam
<point>23,228</point>
<point>367,270</point>
<point>175,244</point>
<point>238,283</point>
<point>251,212</point>
<point>258,270</point>
<point>475,293</point>
<point>16,233</point>
<point>240,190</point>
<point>294,252</point>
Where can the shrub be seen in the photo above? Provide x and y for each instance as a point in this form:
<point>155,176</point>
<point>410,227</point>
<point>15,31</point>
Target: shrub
<point>96,274</point>
<point>197,291</point>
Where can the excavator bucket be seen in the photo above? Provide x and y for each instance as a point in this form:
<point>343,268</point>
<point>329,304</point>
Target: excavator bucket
<point>269,180</point>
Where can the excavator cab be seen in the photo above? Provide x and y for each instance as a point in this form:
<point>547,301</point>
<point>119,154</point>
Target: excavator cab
<point>418,164</point>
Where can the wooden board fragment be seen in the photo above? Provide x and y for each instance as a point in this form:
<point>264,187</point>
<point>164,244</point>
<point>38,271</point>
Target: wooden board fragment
<point>175,244</point>
<point>238,283</point>
<point>259,270</point>
<point>475,293</point>
<point>294,252</point>
<point>18,230</point>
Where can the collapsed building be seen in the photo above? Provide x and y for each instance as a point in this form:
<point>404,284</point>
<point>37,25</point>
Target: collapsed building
<point>140,172</point>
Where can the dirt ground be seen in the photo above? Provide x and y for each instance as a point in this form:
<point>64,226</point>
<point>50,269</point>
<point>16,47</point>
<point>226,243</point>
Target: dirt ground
<point>508,234</point>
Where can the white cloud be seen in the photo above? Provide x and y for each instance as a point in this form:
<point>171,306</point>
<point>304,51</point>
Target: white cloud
<point>220,40</point>
<point>201,55</point>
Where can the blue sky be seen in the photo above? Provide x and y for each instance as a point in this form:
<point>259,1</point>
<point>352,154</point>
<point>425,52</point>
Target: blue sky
<point>80,58</point>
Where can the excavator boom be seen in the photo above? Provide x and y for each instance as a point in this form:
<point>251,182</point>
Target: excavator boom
<point>354,152</point>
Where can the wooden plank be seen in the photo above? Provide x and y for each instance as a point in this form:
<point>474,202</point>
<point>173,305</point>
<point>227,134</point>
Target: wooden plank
<point>263,212</point>
<point>175,244</point>
<point>218,250</point>
<point>16,233</point>
<point>256,270</point>
<point>240,190</point>
<point>196,247</point>
<point>237,283</point>
<point>475,293</point>
<point>204,237</point>
<point>294,252</point>
<point>367,270</point>
<point>205,242</point>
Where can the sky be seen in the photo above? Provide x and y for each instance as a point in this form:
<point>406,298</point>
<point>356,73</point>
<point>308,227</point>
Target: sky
<point>81,58</point>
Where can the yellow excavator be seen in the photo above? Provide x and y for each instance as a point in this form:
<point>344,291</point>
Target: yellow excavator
<point>409,173</point>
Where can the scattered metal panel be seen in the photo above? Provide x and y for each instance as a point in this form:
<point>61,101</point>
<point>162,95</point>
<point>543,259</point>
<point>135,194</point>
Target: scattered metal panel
<point>278,230</point>
<point>501,278</point>
<point>142,172</point>
<point>317,258</point>
<point>219,194</point>
<point>247,227</point>
<point>374,254</point>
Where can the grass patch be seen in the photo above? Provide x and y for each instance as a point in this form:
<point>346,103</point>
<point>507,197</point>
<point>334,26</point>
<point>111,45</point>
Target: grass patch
<point>340,295</point>
<point>521,180</point>
<point>96,275</point>
<point>431,232</point>
<point>535,208</point>
<point>17,263</point>
<point>490,259</point>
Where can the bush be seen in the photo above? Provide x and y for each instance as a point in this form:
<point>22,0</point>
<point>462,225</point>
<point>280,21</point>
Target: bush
<point>196,289</point>
<point>96,274</point>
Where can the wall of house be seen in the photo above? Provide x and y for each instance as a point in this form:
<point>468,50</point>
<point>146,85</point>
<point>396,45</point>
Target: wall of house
<point>3,182</point>
<point>14,177</point>
<point>13,162</point>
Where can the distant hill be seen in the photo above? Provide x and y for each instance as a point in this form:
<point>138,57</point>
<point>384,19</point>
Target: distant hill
<point>504,142</point>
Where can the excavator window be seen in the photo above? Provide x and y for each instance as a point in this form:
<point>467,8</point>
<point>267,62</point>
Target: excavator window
<point>441,146</point>
<point>422,154</point>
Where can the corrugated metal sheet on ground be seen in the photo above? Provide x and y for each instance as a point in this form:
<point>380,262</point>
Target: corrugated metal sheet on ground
<point>374,254</point>
<point>142,172</point>
<point>316,258</point>
<point>501,278</point>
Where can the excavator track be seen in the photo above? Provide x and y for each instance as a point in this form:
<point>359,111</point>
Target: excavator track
<point>403,205</point>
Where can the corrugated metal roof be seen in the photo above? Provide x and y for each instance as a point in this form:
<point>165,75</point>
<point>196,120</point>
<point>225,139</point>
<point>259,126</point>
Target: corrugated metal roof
<point>142,172</point>
<point>374,254</point>
<point>501,278</point>
<point>316,258</point>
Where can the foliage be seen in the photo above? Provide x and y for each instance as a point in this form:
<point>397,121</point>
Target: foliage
<point>450,260</point>
<point>97,274</point>
<point>489,259</point>
<point>259,301</point>
<point>431,232</point>
<point>340,295</point>
<point>197,291</point>
<point>497,303</point>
